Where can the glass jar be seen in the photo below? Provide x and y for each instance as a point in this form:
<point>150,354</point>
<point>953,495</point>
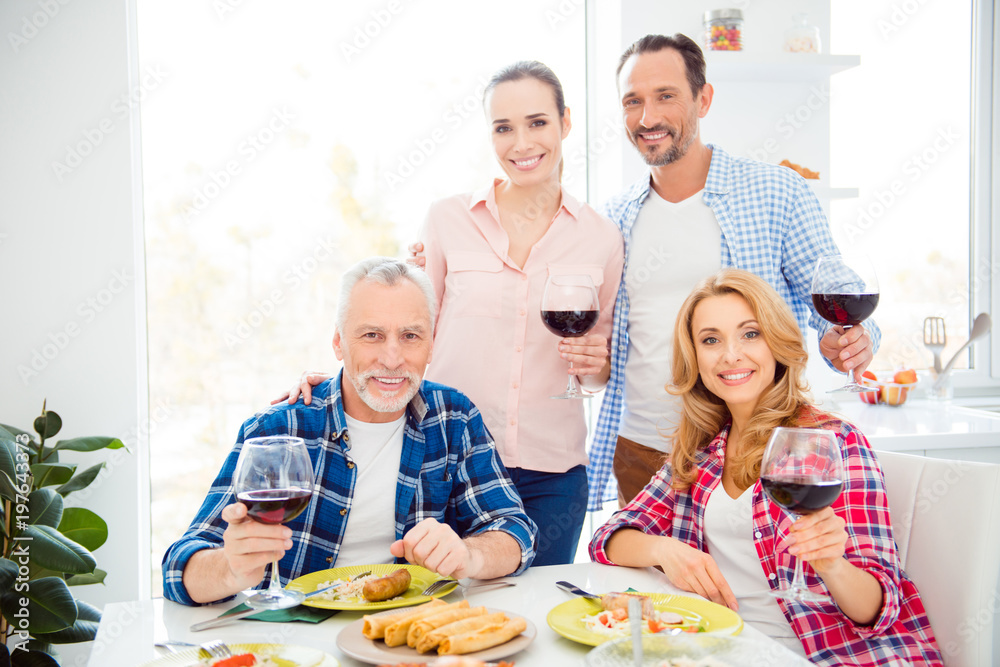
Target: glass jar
<point>802,37</point>
<point>724,30</point>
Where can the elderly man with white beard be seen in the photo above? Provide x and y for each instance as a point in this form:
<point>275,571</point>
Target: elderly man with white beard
<point>375,425</point>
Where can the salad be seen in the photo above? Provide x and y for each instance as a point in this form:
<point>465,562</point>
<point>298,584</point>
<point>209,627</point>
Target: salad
<point>615,622</point>
<point>283,656</point>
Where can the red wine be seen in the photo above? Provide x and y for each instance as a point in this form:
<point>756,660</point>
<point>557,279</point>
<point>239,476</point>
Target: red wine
<point>845,309</point>
<point>802,495</point>
<point>569,323</point>
<point>275,505</point>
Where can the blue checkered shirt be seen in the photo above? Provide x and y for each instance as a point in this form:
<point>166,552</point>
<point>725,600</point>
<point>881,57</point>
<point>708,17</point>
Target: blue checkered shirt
<point>772,224</point>
<point>449,470</point>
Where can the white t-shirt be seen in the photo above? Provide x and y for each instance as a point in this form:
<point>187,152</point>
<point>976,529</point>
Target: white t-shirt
<point>371,521</point>
<point>729,540</point>
<point>674,247</point>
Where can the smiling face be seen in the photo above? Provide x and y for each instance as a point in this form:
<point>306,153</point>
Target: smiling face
<point>658,107</point>
<point>734,361</point>
<point>385,346</point>
<point>527,131</point>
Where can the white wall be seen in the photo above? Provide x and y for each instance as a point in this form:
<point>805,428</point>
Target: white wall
<point>71,272</point>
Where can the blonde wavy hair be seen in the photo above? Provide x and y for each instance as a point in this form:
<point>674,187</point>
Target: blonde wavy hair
<point>785,403</point>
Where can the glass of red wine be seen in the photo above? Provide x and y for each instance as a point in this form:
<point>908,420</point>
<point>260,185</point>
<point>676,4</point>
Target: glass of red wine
<point>274,479</point>
<point>569,309</point>
<point>802,471</point>
<point>845,293</point>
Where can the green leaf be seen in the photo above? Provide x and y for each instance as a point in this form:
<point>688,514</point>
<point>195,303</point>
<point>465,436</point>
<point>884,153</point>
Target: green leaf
<point>95,577</point>
<point>90,444</point>
<point>83,630</point>
<point>51,549</point>
<point>14,431</point>
<point>50,474</point>
<point>45,507</point>
<point>8,452</point>
<point>81,481</point>
<point>8,491</point>
<point>47,424</point>
<point>51,606</point>
<point>8,572</point>
<point>32,659</point>
<point>84,527</point>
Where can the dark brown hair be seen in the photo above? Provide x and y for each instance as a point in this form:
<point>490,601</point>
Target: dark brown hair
<point>694,59</point>
<point>529,69</point>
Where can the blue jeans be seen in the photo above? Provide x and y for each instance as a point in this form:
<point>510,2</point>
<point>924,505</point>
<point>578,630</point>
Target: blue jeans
<point>557,503</point>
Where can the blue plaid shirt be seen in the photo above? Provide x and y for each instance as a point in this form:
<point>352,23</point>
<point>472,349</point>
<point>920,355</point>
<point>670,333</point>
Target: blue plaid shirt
<point>772,225</point>
<point>449,470</point>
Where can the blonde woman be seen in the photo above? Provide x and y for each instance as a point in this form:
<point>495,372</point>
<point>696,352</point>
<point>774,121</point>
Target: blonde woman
<point>738,363</point>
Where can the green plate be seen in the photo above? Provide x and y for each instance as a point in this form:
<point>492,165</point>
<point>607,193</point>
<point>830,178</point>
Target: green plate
<point>285,656</point>
<point>420,578</point>
<point>567,618</point>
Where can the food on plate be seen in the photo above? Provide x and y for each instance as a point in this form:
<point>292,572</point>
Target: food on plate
<point>387,587</point>
<point>616,622</point>
<point>345,590</point>
<point>868,379</point>
<point>613,601</point>
<point>427,623</point>
<point>802,171</point>
<point>397,633</point>
<point>431,640</point>
<point>376,624</point>
<point>483,638</point>
<point>277,656</point>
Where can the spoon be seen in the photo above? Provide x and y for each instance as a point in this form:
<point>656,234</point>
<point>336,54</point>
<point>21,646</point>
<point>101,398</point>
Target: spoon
<point>979,329</point>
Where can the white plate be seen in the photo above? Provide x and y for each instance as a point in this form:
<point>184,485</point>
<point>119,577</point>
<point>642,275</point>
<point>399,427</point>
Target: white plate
<point>729,651</point>
<point>353,643</point>
<point>300,656</point>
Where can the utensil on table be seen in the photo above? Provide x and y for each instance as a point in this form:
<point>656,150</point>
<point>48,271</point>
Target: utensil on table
<point>635,625</point>
<point>935,338</point>
<point>576,590</point>
<point>468,588</point>
<point>226,618</point>
<point>980,327</point>
<point>217,649</point>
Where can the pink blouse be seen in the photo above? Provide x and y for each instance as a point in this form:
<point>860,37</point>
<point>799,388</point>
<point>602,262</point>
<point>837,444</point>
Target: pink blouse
<point>489,340</point>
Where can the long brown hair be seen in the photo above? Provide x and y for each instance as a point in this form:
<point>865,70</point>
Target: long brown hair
<point>704,414</point>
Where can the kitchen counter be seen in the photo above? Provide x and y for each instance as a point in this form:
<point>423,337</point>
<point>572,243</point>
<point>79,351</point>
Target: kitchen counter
<point>930,428</point>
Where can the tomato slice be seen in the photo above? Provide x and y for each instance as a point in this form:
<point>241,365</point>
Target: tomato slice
<point>242,660</point>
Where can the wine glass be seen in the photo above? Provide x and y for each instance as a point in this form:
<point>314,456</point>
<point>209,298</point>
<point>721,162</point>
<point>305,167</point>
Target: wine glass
<point>802,471</point>
<point>570,309</point>
<point>274,479</point>
<point>845,292</point>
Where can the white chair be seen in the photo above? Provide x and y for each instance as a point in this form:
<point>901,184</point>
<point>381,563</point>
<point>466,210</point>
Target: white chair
<point>946,521</point>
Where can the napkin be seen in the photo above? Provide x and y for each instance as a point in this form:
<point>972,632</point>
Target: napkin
<point>299,613</point>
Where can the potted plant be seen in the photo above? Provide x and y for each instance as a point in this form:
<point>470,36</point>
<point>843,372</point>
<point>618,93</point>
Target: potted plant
<point>46,546</point>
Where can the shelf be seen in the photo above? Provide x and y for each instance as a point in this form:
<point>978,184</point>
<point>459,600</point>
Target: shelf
<point>742,67</point>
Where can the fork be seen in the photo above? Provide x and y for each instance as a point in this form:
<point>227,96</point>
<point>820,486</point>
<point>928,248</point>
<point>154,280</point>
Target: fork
<point>442,583</point>
<point>935,339</point>
<point>217,649</point>
<point>438,585</point>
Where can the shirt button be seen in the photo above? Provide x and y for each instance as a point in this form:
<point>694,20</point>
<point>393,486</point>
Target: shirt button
<point>347,437</point>
<point>621,348</point>
<point>517,349</point>
<point>758,535</point>
<point>514,385</point>
<point>350,465</point>
<point>343,512</point>
<point>618,391</point>
<point>522,313</point>
<point>772,576</point>
<point>329,559</point>
<point>524,277</point>
<point>513,422</point>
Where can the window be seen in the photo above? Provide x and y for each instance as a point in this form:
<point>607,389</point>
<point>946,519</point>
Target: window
<point>284,142</point>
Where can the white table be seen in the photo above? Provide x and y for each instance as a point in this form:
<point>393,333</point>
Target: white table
<point>128,630</point>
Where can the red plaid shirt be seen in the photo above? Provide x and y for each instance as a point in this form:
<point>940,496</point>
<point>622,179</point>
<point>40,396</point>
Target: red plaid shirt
<point>901,635</point>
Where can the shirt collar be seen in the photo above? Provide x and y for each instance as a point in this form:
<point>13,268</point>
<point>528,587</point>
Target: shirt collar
<point>488,197</point>
<point>720,172</point>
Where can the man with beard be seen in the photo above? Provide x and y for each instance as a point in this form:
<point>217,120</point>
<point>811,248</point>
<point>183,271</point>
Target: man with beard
<point>374,427</point>
<point>699,210</point>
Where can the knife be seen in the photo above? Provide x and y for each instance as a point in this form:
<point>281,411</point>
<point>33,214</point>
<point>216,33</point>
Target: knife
<point>225,618</point>
<point>570,588</point>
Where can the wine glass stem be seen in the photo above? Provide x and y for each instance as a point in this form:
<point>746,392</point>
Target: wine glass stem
<point>274,588</point>
<point>570,382</point>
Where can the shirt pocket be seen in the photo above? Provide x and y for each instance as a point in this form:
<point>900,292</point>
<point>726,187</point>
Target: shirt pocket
<point>434,500</point>
<point>474,285</point>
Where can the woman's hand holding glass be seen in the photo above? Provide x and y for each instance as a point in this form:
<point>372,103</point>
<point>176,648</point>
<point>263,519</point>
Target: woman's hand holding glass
<point>820,539</point>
